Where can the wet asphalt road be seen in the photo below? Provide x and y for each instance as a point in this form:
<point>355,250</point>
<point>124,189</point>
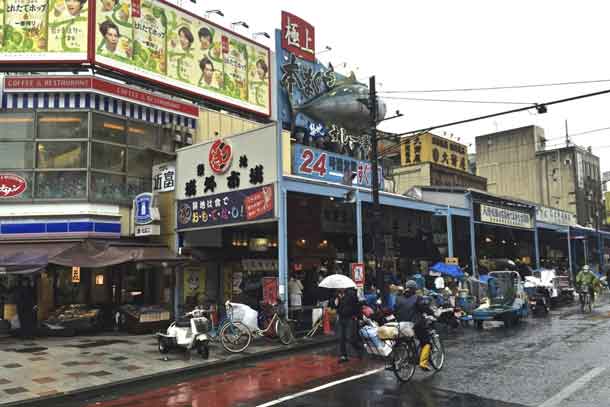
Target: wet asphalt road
<point>562,360</point>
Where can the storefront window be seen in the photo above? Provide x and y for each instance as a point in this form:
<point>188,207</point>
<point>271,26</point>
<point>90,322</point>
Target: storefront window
<point>137,185</point>
<point>139,163</point>
<point>106,187</point>
<point>17,126</point>
<point>106,128</point>
<point>108,157</point>
<point>62,125</point>
<point>61,154</point>
<point>16,154</point>
<point>139,134</point>
<point>61,184</point>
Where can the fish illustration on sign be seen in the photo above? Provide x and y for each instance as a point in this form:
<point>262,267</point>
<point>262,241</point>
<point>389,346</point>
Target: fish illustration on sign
<point>345,104</point>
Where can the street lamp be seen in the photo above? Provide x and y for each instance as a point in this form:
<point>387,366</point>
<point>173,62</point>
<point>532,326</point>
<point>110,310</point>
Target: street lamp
<point>264,34</point>
<point>217,12</point>
<point>326,49</point>
<point>239,23</point>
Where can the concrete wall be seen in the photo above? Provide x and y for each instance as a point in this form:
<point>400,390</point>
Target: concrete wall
<point>559,179</point>
<point>410,176</point>
<point>508,160</point>
<point>213,124</point>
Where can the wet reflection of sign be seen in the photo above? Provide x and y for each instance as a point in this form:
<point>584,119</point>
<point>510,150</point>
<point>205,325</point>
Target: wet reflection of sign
<point>76,275</point>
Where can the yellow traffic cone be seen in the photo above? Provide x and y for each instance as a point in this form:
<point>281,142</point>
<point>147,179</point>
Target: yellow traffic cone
<point>423,357</point>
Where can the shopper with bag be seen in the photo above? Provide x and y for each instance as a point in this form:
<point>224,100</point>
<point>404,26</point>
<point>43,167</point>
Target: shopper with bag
<point>348,309</point>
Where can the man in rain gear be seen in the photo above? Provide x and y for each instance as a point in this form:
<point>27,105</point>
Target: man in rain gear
<point>587,280</point>
<point>411,308</point>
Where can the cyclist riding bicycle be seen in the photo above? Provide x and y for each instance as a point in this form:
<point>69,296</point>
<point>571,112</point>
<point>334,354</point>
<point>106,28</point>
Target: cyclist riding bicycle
<point>412,308</point>
<point>587,280</point>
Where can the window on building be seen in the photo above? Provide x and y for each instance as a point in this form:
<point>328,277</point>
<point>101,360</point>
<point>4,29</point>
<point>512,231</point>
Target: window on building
<point>28,192</point>
<point>108,157</point>
<point>63,125</point>
<point>139,163</point>
<point>143,135</point>
<point>108,187</point>
<point>61,185</point>
<point>16,155</point>
<point>136,185</point>
<point>61,154</point>
<point>17,126</point>
<point>107,128</point>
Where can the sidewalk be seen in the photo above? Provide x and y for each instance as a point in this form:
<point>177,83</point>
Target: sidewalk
<point>50,367</point>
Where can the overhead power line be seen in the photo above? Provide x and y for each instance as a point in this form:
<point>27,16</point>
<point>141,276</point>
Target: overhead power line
<point>537,85</point>
<point>582,133</point>
<point>495,102</point>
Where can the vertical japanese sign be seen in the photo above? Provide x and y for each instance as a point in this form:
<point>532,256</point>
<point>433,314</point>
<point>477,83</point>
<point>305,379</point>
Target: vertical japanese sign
<point>35,30</point>
<point>298,37</point>
<point>358,277</point>
<point>76,275</point>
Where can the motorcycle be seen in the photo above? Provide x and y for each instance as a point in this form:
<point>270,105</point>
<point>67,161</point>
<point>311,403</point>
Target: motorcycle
<point>187,333</point>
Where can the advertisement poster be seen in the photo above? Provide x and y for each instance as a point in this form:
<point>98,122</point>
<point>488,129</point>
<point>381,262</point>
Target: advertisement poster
<point>194,285</point>
<point>158,42</point>
<point>228,208</point>
<point>43,29</point>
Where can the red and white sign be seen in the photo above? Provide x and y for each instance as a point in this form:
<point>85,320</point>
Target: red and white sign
<point>12,185</point>
<point>220,157</point>
<point>259,203</point>
<point>358,274</point>
<point>97,85</point>
<point>270,289</point>
<point>298,37</point>
<point>136,8</point>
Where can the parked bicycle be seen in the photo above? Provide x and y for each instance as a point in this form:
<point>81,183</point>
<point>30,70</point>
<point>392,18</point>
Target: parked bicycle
<point>276,323</point>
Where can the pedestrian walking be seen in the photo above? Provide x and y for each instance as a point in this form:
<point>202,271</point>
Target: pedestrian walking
<point>25,307</point>
<point>347,312</point>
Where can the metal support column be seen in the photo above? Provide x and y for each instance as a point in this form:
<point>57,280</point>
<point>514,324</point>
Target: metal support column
<point>282,241</point>
<point>473,248</point>
<point>449,233</point>
<point>536,246</point>
<point>570,253</point>
<point>360,254</point>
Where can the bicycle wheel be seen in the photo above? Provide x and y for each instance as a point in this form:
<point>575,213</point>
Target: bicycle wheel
<point>589,304</point>
<point>403,364</point>
<point>284,331</point>
<point>235,337</point>
<point>437,355</point>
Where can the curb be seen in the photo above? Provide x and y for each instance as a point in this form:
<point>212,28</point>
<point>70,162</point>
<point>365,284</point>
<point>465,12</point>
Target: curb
<point>245,358</point>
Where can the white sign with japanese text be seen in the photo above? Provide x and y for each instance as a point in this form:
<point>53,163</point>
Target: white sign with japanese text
<point>507,217</point>
<point>555,216</point>
<point>164,177</point>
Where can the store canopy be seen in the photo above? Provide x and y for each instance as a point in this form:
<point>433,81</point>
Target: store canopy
<point>31,256</point>
<point>450,270</point>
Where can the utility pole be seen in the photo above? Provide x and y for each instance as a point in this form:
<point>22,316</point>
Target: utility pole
<point>567,135</point>
<point>377,223</point>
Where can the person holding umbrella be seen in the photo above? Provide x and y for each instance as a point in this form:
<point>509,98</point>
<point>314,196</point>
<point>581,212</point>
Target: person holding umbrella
<point>347,312</point>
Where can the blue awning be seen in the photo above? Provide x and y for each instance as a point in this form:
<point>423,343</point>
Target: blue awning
<point>448,270</point>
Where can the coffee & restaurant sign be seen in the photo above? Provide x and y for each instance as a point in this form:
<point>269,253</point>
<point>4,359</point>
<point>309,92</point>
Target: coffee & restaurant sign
<point>507,217</point>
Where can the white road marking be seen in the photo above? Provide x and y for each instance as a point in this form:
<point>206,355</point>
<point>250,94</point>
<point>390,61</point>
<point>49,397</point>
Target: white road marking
<point>572,388</point>
<point>324,386</point>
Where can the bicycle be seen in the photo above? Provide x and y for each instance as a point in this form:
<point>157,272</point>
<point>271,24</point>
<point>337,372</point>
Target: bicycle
<point>234,336</point>
<point>278,324</point>
<point>585,301</point>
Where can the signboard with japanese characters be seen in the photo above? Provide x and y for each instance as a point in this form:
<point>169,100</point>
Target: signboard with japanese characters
<point>428,147</point>
<point>158,42</point>
<point>322,107</point>
<point>164,177</point>
<point>323,165</point>
<point>43,30</point>
<point>230,164</point>
<point>298,36</point>
<point>555,216</point>
<point>505,216</point>
<point>246,205</point>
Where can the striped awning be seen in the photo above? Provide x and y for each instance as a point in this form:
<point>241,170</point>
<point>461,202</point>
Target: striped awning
<point>86,100</point>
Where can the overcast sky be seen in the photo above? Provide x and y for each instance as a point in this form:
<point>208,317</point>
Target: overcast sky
<point>429,45</point>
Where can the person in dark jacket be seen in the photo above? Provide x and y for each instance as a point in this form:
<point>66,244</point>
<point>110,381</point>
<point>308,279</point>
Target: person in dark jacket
<point>25,298</point>
<point>347,313</point>
<point>411,308</point>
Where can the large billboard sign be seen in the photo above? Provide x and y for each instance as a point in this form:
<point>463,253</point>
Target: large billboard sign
<point>298,37</point>
<point>149,39</point>
<point>44,30</point>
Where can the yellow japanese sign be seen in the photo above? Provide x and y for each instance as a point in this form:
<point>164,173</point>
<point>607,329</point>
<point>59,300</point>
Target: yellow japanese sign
<point>428,147</point>
<point>76,275</point>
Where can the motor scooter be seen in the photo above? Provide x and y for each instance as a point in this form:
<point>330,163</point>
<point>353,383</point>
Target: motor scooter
<point>188,332</point>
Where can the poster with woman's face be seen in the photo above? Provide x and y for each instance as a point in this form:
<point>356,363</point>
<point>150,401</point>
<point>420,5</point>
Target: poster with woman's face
<point>68,26</point>
<point>181,44</point>
<point>149,34</point>
<point>114,34</point>
<point>258,77</point>
<point>235,68</point>
<point>209,61</point>
<point>25,25</point>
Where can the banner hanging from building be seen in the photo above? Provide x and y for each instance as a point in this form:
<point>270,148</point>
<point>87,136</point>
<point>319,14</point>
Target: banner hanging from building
<point>247,205</point>
<point>506,217</point>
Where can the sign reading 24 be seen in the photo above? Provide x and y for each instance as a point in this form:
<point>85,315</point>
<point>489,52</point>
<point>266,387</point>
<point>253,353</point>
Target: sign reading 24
<point>312,165</point>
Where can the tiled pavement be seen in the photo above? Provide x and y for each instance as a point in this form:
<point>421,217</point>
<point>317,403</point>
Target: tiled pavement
<point>51,366</point>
